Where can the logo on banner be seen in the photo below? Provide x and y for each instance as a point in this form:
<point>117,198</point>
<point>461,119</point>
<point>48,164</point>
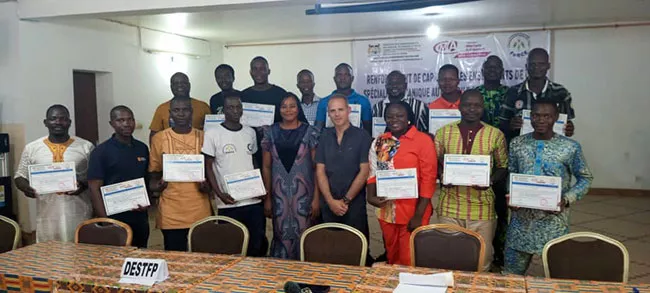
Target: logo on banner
<point>374,50</point>
<point>446,47</point>
<point>519,45</point>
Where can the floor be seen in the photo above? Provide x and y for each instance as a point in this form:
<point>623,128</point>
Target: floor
<point>626,219</point>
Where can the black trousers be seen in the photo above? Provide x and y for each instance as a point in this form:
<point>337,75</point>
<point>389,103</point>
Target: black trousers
<point>501,207</point>
<point>139,223</point>
<point>356,217</point>
<point>175,239</point>
<point>252,216</point>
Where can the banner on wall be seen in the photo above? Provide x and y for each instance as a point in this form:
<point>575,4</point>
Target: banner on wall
<point>420,58</point>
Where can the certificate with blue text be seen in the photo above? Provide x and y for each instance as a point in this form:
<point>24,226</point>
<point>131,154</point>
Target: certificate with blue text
<point>53,178</point>
<point>125,196</point>
<point>535,192</point>
<point>212,120</point>
<point>245,185</point>
<point>378,126</point>
<point>466,170</point>
<point>256,115</point>
<point>183,168</point>
<point>397,184</point>
<point>440,118</point>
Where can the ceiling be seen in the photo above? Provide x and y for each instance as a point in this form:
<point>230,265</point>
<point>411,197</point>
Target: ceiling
<point>290,22</point>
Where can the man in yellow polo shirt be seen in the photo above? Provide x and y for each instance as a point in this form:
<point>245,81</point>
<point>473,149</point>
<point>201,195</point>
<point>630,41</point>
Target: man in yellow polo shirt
<point>180,86</point>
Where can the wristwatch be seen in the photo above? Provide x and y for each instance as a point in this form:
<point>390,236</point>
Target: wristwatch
<point>346,200</point>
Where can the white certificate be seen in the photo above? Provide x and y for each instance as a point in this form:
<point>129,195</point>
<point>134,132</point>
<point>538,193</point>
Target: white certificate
<point>256,115</point>
<point>212,120</point>
<point>397,184</point>
<point>440,118</point>
<point>466,170</point>
<point>245,185</point>
<point>183,168</point>
<point>53,178</point>
<point>528,126</point>
<point>355,116</point>
<point>535,192</point>
<point>125,196</point>
<point>378,126</point>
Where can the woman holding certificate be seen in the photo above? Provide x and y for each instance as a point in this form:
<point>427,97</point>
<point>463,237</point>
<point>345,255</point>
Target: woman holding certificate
<point>289,147</point>
<point>402,180</point>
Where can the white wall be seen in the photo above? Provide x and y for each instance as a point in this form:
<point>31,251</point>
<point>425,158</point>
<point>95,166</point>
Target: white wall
<point>605,69</point>
<point>286,61</point>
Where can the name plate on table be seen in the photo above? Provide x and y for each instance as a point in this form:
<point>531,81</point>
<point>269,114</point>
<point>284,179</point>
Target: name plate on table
<point>245,185</point>
<point>440,118</point>
<point>378,126</point>
<point>53,178</point>
<point>355,117</point>
<point>558,127</point>
<point>144,271</point>
<point>256,115</point>
<point>535,192</point>
<point>125,196</point>
<point>397,184</point>
<point>212,120</point>
<point>183,168</point>
<point>466,170</point>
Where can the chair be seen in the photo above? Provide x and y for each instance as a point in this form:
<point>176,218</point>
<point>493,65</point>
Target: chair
<point>445,246</point>
<point>103,231</point>
<point>334,243</point>
<point>218,234</point>
<point>599,259</point>
<point>10,234</point>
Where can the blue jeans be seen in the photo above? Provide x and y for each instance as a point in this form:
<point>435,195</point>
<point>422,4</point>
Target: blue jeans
<point>252,216</point>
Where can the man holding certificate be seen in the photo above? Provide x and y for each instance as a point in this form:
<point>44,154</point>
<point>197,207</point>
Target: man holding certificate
<point>538,162</point>
<point>120,160</point>
<point>402,180</point>
<point>236,183</point>
<point>58,214</point>
<point>183,201</point>
<point>472,156</point>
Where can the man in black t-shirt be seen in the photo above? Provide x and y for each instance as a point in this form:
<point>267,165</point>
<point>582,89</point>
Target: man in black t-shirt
<point>224,75</point>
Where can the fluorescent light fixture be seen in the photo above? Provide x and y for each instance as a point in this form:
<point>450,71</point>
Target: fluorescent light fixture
<point>433,31</point>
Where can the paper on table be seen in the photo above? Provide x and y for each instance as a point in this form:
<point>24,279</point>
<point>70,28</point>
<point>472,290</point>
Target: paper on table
<point>439,280</point>
<point>355,117</point>
<point>256,115</point>
<point>535,192</point>
<point>53,178</point>
<point>378,126</point>
<point>245,185</point>
<point>397,184</point>
<point>440,118</point>
<point>183,168</point>
<point>558,127</point>
<point>124,196</point>
<point>405,288</point>
<point>466,170</point>
<point>212,120</point>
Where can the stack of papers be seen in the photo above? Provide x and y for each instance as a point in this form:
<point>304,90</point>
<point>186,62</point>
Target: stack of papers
<point>413,283</point>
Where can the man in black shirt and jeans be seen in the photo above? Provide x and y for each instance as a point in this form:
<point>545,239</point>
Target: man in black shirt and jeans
<point>224,75</point>
<point>120,158</point>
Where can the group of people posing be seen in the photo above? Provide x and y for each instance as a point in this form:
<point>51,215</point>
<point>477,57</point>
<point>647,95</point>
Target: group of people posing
<point>314,173</point>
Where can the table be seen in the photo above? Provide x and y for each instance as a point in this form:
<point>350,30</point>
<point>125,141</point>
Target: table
<point>37,267</point>
<point>542,285</point>
<point>270,275</point>
<point>384,278</point>
<point>185,270</point>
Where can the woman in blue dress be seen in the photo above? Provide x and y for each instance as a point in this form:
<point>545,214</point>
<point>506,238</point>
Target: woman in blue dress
<point>289,147</point>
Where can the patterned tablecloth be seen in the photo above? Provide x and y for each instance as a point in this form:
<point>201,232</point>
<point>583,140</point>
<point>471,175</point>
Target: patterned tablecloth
<point>185,270</point>
<point>270,275</point>
<point>37,267</point>
<point>384,278</point>
<point>541,285</point>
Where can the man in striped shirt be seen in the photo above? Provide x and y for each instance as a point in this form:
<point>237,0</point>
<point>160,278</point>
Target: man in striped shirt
<point>471,207</point>
<point>396,90</point>
<point>537,87</point>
